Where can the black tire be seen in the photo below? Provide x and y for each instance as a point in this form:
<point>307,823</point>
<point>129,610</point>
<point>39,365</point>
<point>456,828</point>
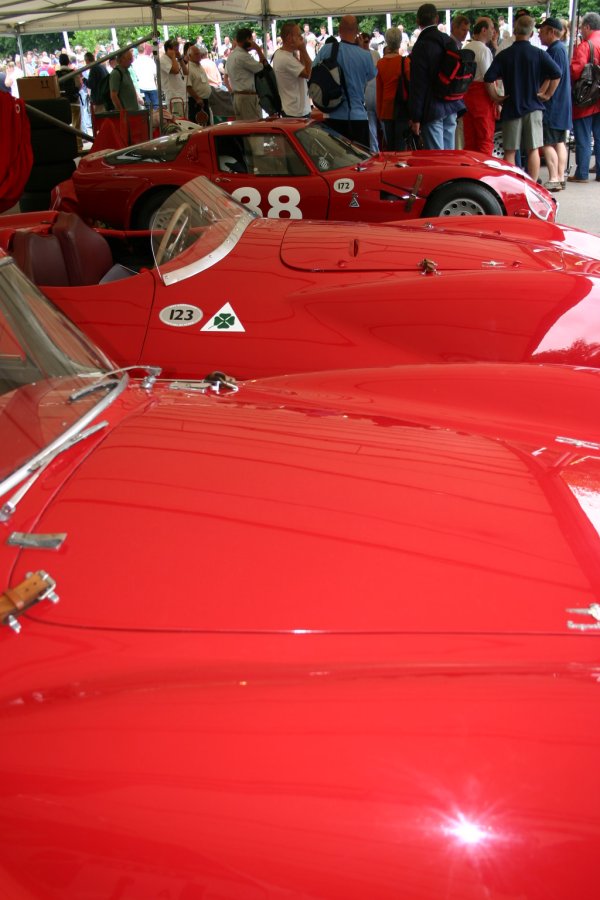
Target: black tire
<point>463,198</point>
<point>34,201</point>
<point>147,205</point>
<point>52,147</point>
<point>59,109</point>
<point>45,177</point>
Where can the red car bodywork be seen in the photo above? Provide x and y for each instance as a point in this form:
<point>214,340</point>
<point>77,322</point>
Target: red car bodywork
<point>321,638</point>
<point>285,180</point>
<point>312,296</point>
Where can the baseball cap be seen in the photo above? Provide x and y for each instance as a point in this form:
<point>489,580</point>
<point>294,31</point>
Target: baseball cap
<point>551,23</point>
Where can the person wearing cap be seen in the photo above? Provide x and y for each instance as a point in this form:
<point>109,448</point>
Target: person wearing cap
<point>586,119</point>
<point>557,112</point>
<point>524,70</point>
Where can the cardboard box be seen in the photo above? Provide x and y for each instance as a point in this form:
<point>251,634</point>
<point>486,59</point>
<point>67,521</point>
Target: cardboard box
<point>39,87</point>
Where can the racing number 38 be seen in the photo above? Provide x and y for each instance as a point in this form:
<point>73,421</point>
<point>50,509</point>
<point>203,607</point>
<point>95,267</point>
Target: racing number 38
<point>282,201</point>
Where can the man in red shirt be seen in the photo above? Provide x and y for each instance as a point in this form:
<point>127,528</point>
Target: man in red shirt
<point>586,120</point>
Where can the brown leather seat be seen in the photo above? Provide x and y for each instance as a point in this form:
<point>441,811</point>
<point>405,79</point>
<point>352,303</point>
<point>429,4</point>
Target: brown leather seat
<point>86,253</point>
<point>40,257</point>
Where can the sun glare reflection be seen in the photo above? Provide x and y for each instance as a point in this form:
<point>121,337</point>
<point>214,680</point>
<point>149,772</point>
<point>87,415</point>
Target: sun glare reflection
<point>467,832</point>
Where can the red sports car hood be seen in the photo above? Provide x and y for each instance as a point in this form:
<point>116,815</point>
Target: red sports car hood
<point>294,506</point>
<point>341,246</point>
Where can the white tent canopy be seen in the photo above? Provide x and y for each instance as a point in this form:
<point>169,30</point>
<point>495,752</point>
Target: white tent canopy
<point>36,16</point>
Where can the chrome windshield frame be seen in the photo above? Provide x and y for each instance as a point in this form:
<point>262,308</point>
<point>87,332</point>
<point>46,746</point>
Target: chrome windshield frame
<point>16,477</point>
<point>33,326</point>
<point>202,191</point>
<point>206,262</point>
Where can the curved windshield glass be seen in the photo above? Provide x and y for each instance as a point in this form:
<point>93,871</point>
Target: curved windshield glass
<point>160,150</point>
<point>195,227</point>
<point>328,149</point>
<point>43,359</point>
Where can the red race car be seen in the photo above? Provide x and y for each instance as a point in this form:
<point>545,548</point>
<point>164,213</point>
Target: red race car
<point>287,168</point>
<point>328,636</point>
<point>255,296</point>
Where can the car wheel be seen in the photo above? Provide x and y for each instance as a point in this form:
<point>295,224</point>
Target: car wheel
<point>498,150</point>
<point>463,199</point>
<point>147,206</point>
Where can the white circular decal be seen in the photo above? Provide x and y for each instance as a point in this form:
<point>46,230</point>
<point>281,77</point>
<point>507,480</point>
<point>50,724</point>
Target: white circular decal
<point>343,185</point>
<point>180,314</point>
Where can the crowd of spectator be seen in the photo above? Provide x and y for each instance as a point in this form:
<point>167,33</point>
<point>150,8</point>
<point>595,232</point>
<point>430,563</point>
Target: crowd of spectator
<point>523,79</point>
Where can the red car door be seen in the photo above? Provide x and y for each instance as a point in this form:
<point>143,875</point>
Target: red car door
<point>264,171</point>
<point>356,194</point>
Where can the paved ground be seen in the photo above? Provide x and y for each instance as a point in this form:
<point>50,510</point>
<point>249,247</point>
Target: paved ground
<point>579,205</point>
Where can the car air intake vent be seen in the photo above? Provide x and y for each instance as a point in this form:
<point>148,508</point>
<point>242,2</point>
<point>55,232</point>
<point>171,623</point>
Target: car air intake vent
<point>392,198</point>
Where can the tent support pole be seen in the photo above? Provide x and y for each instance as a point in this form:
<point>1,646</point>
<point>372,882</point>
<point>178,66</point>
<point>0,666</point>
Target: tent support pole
<point>573,15</point>
<point>20,46</point>
<point>265,26</point>
<point>155,14</point>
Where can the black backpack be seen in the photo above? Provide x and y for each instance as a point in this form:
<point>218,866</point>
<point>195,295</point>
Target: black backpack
<point>586,90</point>
<point>326,85</point>
<point>455,74</point>
<point>402,90</point>
<point>265,84</point>
<point>104,92</point>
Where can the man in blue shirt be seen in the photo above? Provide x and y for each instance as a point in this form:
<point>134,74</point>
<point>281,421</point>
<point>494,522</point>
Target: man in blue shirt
<point>523,70</point>
<point>350,117</point>
<point>558,112</point>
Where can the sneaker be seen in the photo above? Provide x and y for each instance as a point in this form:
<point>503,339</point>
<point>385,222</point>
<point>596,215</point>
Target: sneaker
<point>553,186</point>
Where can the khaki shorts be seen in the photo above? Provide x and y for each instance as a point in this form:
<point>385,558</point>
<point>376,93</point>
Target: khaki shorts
<point>526,133</point>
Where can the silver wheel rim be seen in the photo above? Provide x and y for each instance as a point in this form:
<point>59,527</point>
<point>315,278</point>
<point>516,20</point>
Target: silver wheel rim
<point>462,206</point>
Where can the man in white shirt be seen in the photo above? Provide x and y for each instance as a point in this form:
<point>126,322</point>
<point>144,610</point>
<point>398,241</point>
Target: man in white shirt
<point>241,69</point>
<point>292,66</point>
<point>198,87</point>
<point>479,121</point>
<point>173,72</point>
